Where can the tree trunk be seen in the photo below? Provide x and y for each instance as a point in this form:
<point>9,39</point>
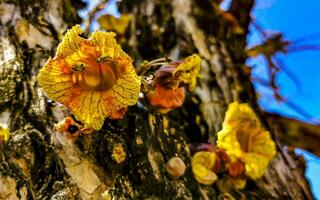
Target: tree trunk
<point>38,163</point>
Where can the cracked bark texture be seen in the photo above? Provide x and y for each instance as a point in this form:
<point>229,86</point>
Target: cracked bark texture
<point>38,163</point>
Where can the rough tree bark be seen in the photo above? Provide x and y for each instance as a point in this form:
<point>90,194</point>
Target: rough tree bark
<point>38,163</point>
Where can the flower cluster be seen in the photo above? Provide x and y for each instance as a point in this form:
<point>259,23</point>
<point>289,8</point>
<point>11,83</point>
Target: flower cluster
<point>209,161</point>
<point>95,78</point>
<point>244,149</point>
<point>92,77</point>
<point>170,80</point>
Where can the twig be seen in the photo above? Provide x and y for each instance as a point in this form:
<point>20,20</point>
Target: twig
<point>304,48</point>
<point>301,111</point>
<point>93,12</point>
<point>306,38</point>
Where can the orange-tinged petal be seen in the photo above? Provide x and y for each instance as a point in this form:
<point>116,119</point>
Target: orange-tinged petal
<point>118,114</point>
<point>90,108</point>
<point>170,79</point>
<point>222,157</point>
<point>166,98</point>
<point>236,168</point>
<point>56,80</point>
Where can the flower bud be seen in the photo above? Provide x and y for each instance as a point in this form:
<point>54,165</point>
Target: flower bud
<point>175,167</point>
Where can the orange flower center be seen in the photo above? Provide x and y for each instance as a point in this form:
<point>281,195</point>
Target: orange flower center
<point>244,138</point>
<point>95,77</point>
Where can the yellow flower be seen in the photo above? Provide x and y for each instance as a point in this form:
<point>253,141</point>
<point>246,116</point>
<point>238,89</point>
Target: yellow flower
<point>92,77</point>
<point>111,23</point>
<point>244,138</point>
<point>202,164</point>
<point>4,134</point>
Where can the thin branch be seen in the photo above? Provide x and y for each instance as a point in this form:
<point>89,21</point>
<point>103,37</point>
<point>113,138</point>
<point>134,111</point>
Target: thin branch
<point>284,68</point>
<point>302,111</point>
<point>304,48</point>
<point>314,36</point>
<point>296,133</point>
<point>260,30</point>
<point>93,12</point>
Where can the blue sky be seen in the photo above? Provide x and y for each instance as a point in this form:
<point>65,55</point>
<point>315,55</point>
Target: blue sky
<point>295,19</point>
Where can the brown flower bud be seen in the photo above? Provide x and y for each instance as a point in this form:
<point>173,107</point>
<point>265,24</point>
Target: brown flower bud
<point>175,167</point>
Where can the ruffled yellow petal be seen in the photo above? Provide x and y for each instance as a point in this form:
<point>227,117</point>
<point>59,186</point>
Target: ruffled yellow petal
<point>244,138</point>
<point>92,77</point>
<point>105,44</point>
<point>241,113</point>
<point>188,71</point>
<point>127,88</point>
<point>71,43</point>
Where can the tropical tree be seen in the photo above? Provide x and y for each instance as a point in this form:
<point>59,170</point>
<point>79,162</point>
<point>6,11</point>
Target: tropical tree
<point>142,133</point>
